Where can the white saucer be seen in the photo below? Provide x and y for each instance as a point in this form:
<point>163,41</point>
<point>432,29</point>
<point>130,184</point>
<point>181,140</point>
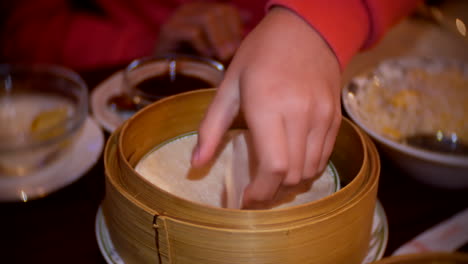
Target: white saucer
<point>377,244</point>
<point>104,115</point>
<point>73,164</point>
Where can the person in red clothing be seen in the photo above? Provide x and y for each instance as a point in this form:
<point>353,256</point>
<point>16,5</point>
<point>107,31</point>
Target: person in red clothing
<point>87,34</point>
<point>285,75</point>
<point>285,78</point>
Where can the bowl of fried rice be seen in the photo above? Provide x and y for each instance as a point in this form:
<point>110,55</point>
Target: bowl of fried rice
<point>402,98</point>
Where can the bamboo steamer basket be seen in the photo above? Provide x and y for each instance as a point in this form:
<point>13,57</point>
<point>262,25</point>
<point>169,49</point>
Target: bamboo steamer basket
<point>149,225</point>
<point>427,258</point>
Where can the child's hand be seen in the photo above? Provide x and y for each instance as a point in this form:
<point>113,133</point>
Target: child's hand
<point>286,81</point>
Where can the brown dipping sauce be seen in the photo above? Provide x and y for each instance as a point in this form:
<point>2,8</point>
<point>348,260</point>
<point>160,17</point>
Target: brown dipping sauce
<point>161,86</point>
<point>158,87</point>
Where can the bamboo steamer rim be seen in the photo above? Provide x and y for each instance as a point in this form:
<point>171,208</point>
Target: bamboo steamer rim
<point>200,206</point>
<point>460,258</point>
<point>112,142</point>
<point>195,212</point>
<point>167,248</point>
<point>130,197</point>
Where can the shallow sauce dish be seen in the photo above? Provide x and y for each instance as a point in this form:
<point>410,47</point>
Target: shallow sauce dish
<point>403,97</point>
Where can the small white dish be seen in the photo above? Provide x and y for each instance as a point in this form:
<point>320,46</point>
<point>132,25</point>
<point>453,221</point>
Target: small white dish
<point>377,244</point>
<point>73,164</point>
<point>107,118</point>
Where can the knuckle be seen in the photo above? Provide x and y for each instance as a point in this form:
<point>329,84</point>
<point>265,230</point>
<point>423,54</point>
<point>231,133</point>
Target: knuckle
<point>311,169</point>
<point>326,109</point>
<point>308,174</point>
<point>264,195</point>
<point>293,178</point>
<point>311,176</point>
<point>301,106</point>
<point>295,104</point>
<point>258,195</point>
<point>322,167</point>
<point>277,168</point>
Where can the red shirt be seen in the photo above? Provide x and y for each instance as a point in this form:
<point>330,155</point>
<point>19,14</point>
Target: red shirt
<point>350,25</point>
<point>51,31</point>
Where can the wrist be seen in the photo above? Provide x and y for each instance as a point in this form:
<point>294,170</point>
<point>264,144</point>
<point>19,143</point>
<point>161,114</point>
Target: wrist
<point>344,25</point>
<point>299,39</point>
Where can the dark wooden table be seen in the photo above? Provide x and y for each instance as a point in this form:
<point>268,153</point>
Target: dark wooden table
<point>59,228</point>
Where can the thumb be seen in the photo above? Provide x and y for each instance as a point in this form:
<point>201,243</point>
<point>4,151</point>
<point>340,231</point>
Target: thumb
<point>218,118</point>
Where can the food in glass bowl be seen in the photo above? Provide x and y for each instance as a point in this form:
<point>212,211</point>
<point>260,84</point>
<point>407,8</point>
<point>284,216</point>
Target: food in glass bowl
<point>42,109</point>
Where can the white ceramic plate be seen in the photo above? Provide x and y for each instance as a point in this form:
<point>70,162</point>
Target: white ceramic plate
<point>376,251</point>
<point>104,115</point>
<point>73,164</point>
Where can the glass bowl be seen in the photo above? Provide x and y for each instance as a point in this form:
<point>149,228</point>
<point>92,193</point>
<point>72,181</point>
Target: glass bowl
<point>42,109</point>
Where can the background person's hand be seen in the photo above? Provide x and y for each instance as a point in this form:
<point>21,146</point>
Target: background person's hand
<point>212,29</point>
<point>286,81</point>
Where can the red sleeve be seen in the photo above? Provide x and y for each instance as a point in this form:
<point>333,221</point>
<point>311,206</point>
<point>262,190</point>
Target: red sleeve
<point>349,25</point>
<point>50,31</point>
